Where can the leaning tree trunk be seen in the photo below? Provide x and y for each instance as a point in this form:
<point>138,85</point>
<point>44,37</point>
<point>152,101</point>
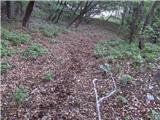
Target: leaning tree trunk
<point>79,18</point>
<point>60,13</point>
<point>28,12</point>
<point>150,15</point>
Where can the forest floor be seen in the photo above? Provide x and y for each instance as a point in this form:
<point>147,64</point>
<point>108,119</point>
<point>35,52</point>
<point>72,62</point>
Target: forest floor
<point>70,95</point>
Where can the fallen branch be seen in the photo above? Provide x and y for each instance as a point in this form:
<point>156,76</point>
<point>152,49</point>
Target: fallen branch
<point>99,100</point>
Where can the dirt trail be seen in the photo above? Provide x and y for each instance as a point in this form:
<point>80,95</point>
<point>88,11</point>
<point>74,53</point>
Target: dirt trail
<point>70,95</point>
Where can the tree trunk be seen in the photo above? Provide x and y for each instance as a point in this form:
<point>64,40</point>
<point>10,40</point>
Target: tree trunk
<point>8,10</point>
<point>141,16</point>
<point>110,16</point>
<point>28,12</point>
<point>86,8</point>
<point>60,13</point>
<point>50,15</point>
<point>124,15</point>
<point>12,7</point>
<point>77,8</point>
<point>133,23</point>
<point>57,11</point>
<point>136,19</point>
<point>150,15</point>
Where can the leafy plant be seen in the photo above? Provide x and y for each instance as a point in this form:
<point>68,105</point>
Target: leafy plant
<point>106,67</point>
<point>125,79</point>
<point>15,38</point>
<point>121,49</point>
<point>121,99</point>
<point>154,115</point>
<point>5,51</point>
<point>34,51</point>
<point>19,38</point>
<point>48,76</point>
<point>5,66</point>
<point>39,13</point>
<point>19,95</point>
<point>127,117</point>
<point>49,31</point>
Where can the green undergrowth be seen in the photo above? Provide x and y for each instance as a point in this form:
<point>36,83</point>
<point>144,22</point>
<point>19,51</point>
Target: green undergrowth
<point>52,31</point>
<point>15,38</point>
<point>33,51</point>
<point>39,13</point>
<point>19,95</point>
<point>121,49</point>
<point>154,115</point>
<point>48,76</point>
<point>5,51</point>
<point>5,66</point>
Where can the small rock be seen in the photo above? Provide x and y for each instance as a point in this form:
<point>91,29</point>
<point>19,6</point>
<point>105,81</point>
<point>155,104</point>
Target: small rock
<point>150,97</point>
<point>150,87</point>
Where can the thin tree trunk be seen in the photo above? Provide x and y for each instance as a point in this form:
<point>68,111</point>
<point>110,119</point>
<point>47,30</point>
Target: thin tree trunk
<point>50,15</point>
<point>124,15</point>
<point>8,10</point>
<point>82,13</point>
<point>60,13</point>
<point>136,18</point>
<point>54,17</point>
<point>142,38</point>
<point>12,8</point>
<point>109,16</point>
<point>28,12</point>
<point>150,15</point>
<point>77,8</point>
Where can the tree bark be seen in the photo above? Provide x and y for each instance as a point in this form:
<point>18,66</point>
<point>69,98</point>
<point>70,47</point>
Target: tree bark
<point>28,12</point>
<point>57,11</point>
<point>123,15</point>
<point>60,13</point>
<point>136,19</point>
<point>12,7</point>
<point>86,8</point>
<point>141,16</point>
<point>50,15</point>
<point>133,23</point>
<point>8,10</point>
<point>150,15</point>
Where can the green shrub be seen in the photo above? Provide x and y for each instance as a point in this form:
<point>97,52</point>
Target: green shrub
<point>5,66</point>
<point>48,76</point>
<point>5,34</point>
<point>49,31</point>
<point>5,51</point>
<point>127,117</point>
<point>18,38</point>
<point>15,38</point>
<point>154,115</point>
<point>125,79</point>
<point>39,13</point>
<point>105,67</point>
<point>121,99</point>
<point>19,95</point>
<point>120,49</point>
<point>34,51</point>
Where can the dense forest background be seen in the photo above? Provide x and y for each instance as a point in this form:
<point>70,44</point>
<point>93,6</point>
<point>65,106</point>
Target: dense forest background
<point>52,51</point>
